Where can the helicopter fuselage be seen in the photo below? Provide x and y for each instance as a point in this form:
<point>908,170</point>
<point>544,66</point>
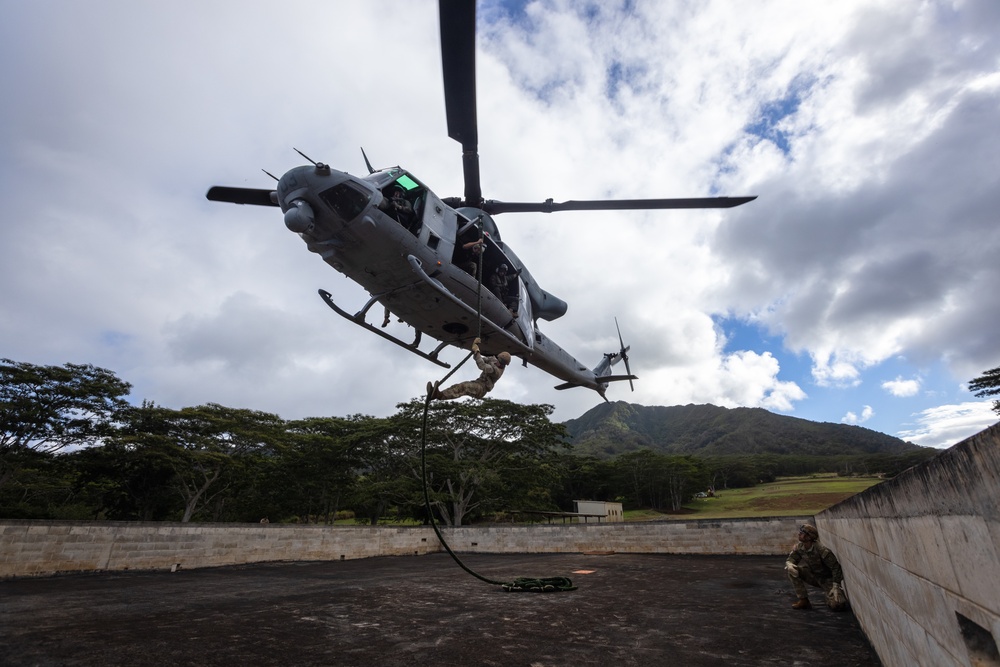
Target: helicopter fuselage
<point>432,266</point>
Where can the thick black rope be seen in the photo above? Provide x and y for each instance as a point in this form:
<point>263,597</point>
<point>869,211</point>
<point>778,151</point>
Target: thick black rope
<point>532,584</point>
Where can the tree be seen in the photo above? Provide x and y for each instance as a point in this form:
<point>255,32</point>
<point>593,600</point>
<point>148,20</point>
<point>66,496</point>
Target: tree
<point>479,451</point>
<point>636,474</point>
<point>582,478</point>
<point>730,471</point>
<point>205,446</point>
<point>659,480</point>
<point>383,450</point>
<point>50,408</point>
<point>126,480</point>
<point>988,384</point>
<point>682,475</point>
<point>43,488</point>
<point>322,457</point>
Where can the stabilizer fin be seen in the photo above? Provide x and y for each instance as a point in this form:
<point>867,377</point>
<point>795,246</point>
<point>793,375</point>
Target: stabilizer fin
<point>616,378</point>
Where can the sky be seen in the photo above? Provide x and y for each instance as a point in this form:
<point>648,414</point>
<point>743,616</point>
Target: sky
<point>861,287</point>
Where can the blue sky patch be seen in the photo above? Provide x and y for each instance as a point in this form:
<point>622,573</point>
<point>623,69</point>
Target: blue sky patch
<point>773,112</point>
<point>745,335</point>
<point>890,394</point>
<point>622,75</point>
<point>492,11</point>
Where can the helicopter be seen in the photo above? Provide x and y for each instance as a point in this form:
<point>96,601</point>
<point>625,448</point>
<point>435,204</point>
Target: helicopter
<point>431,261</point>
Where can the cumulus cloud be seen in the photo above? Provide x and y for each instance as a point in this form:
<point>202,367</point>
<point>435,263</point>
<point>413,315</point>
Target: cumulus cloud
<point>852,418</point>
<point>901,387</point>
<point>946,425</point>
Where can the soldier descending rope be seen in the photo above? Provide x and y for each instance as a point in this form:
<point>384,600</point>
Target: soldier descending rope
<point>492,368</point>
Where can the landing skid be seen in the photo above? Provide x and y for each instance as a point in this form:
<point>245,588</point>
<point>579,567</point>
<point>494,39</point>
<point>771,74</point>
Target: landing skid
<point>359,319</point>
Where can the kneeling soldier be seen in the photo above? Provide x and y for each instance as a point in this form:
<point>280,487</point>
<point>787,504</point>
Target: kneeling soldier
<point>812,563</point>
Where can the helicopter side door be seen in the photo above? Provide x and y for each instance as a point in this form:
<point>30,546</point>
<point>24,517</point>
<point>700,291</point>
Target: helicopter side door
<point>524,319</point>
<point>438,224</point>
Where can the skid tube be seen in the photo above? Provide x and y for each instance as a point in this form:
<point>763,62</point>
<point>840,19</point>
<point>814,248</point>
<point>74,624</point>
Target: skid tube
<point>359,319</point>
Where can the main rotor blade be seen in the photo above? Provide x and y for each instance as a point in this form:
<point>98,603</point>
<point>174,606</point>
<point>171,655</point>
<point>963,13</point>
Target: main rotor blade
<point>493,207</point>
<point>254,196</point>
<point>458,60</point>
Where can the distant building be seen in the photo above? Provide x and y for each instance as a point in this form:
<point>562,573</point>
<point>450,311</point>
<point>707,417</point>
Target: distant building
<point>598,510</point>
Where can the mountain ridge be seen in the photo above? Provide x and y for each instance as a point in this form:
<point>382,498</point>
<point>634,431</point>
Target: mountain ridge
<point>618,427</point>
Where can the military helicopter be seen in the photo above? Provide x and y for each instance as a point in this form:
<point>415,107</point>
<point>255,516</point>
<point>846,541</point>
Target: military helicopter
<point>428,260</point>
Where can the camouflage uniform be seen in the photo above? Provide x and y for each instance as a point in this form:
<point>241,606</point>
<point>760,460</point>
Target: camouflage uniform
<point>817,566</point>
<point>491,368</point>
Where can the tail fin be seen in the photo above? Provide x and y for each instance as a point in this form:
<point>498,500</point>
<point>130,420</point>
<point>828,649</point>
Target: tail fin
<point>611,359</point>
<point>600,375</point>
<point>602,370</point>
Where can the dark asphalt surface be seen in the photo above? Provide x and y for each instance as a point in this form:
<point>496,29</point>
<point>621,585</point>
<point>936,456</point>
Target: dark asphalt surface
<point>425,610</point>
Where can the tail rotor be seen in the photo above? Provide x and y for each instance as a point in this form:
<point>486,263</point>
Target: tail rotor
<point>623,353</point>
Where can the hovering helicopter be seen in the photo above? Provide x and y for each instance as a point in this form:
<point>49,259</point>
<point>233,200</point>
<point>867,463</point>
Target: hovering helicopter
<point>429,260</point>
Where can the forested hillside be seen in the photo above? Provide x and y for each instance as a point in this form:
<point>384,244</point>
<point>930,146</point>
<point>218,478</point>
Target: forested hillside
<point>615,428</point>
<point>72,447</point>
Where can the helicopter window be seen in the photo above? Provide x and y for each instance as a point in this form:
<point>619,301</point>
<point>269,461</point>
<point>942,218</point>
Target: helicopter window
<point>407,182</point>
<point>378,178</point>
<point>346,201</point>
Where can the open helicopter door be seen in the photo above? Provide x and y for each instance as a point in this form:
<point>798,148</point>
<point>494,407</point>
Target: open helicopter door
<point>524,319</point>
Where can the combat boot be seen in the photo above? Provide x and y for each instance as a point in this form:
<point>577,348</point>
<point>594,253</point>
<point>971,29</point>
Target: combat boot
<point>801,603</point>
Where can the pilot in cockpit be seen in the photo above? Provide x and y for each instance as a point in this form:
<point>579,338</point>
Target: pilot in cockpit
<point>399,207</point>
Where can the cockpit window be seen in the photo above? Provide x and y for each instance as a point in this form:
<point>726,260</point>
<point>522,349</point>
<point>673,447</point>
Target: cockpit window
<point>346,201</point>
<point>407,182</point>
<point>378,178</point>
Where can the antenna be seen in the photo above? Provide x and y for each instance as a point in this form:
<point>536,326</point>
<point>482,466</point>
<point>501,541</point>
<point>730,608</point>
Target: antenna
<point>304,155</point>
<point>367,163</point>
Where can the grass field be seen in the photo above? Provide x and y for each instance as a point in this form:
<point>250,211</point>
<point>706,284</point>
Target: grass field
<point>784,497</point>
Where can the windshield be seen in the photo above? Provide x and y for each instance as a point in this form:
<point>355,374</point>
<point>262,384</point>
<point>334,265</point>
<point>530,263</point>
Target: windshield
<point>382,178</point>
<point>345,200</point>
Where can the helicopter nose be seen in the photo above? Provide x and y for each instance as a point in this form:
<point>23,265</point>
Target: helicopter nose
<point>300,217</point>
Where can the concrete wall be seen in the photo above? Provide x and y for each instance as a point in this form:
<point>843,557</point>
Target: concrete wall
<point>32,548</point>
<point>921,557</point>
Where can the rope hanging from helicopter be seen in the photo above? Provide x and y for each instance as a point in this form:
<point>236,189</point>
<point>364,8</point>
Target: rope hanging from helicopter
<point>532,584</point>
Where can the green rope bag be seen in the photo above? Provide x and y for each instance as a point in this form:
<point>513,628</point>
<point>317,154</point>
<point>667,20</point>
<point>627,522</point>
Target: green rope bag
<point>543,585</point>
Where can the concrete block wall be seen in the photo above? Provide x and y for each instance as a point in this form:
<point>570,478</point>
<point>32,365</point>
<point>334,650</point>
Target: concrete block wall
<point>770,536</point>
<point>31,548</point>
<point>35,548</point>
<point>921,557</point>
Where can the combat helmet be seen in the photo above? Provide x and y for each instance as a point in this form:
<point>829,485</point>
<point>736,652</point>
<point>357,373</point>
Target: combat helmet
<point>809,530</point>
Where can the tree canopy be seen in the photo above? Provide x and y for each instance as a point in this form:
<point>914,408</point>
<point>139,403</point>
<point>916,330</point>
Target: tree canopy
<point>72,448</point>
<point>49,408</point>
<point>988,384</point>
<point>478,450</point>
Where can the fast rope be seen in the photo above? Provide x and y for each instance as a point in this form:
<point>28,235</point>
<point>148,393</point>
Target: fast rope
<point>531,584</point>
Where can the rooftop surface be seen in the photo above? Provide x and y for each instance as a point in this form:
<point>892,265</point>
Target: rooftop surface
<point>425,610</point>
